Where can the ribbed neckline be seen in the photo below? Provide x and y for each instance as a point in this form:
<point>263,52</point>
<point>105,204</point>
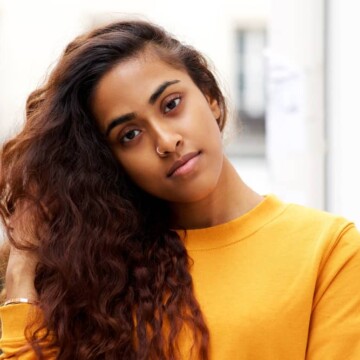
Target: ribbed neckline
<point>235,230</point>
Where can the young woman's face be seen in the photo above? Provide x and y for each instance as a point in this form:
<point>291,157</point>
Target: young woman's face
<point>146,106</point>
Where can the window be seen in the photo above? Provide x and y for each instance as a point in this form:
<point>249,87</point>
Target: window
<point>250,94</point>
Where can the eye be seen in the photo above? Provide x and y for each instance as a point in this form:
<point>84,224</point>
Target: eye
<point>172,104</point>
<point>130,135</point>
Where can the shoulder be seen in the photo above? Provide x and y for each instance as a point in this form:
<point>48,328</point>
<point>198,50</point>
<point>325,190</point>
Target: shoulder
<point>317,229</point>
<point>298,217</point>
<point>314,220</point>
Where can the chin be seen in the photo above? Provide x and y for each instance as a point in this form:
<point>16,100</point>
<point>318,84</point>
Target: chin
<point>192,194</point>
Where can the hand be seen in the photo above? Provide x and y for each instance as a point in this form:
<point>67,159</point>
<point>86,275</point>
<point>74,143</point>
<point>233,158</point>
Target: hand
<point>20,274</point>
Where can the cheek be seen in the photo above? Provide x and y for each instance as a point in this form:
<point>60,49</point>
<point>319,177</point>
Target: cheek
<point>142,170</point>
<point>206,132</point>
<point>206,124</point>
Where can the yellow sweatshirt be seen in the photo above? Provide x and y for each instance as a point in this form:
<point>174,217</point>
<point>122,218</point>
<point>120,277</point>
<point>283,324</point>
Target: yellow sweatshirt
<point>281,282</point>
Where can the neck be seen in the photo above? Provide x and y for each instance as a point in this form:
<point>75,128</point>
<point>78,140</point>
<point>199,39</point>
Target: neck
<point>230,199</point>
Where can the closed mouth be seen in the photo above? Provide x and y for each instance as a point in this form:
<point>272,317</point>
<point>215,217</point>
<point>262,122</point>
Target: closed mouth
<point>182,161</point>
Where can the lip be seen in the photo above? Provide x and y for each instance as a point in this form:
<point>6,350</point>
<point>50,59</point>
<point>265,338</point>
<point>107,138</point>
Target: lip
<point>181,162</point>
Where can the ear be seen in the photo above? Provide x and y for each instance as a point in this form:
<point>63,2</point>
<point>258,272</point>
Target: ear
<point>214,106</point>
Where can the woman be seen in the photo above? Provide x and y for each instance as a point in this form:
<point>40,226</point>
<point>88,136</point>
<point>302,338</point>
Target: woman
<point>134,238</point>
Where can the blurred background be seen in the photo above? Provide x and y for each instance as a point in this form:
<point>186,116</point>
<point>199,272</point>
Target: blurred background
<point>290,69</point>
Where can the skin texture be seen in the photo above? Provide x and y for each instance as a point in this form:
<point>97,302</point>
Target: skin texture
<point>21,266</point>
<point>182,120</point>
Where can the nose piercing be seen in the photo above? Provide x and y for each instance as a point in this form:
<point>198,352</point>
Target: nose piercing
<point>160,153</point>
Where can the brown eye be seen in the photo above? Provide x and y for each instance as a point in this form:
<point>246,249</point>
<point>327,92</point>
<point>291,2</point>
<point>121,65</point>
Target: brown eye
<point>172,104</point>
<point>130,135</point>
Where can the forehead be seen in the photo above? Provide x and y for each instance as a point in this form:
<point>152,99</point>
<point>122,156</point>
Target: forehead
<point>129,84</point>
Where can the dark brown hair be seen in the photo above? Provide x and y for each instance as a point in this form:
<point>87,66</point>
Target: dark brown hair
<point>113,279</point>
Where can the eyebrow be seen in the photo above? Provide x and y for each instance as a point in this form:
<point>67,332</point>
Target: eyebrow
<point>160,90</point>
<point>127,117</point>
<point>118,121</point>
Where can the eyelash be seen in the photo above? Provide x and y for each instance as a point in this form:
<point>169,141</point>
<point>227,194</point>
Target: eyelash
<point>174,98</point>
<point>122,138</point>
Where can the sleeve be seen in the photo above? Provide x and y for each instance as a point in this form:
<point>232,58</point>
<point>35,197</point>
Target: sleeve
<point>14,319</point>
<point>334,332</point>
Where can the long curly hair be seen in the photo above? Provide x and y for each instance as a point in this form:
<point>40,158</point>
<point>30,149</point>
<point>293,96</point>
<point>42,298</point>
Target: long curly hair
<point>113,278</point>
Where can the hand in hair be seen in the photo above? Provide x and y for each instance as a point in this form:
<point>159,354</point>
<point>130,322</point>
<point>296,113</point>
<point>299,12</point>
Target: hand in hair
<point>20,272</point>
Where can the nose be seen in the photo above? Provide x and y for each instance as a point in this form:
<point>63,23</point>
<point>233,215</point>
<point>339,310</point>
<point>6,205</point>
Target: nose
<point>167,141</point>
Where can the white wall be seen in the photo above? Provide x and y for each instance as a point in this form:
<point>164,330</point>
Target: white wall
<point>31,38</point>
<point>295,126</point>
<point>343,100</point>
